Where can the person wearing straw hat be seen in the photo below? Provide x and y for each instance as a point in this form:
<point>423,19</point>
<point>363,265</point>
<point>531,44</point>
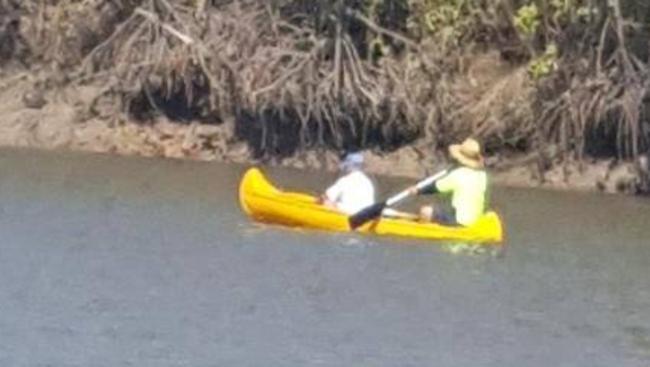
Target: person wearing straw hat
<point>354,190</point>
<point>466,183</point>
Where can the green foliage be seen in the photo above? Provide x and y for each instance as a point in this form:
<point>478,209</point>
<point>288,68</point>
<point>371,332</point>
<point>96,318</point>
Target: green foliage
<point>571,11</point>
<point>376,44</point>
<point>545,64</point>
<point>445,20</point>
<point>529,17</point>
<point>443,15</point>
<point>527,20</point>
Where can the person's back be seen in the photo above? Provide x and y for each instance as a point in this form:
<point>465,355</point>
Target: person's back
<point>467,185</point>
<point>468,191</point>
<point>353,191</point>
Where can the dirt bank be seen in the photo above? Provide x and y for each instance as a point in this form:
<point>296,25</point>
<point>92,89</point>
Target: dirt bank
<point>60,121</point>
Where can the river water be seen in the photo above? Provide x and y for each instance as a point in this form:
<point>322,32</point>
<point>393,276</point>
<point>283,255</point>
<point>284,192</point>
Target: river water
<point>108,261</point>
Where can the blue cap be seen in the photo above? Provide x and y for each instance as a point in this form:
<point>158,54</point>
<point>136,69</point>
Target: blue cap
<point>352,161</point>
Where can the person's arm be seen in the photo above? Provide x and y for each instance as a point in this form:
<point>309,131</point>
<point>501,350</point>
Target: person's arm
<point>447,183</point>
<point>333,194</point>
<point>429,189</point>
<point>442,185</point>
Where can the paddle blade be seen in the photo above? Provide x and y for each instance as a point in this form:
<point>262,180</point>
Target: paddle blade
<point>366,215</point>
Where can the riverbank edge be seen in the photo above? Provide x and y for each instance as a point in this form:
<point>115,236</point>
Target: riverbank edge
<point>71,119</point>
<point>167,139</point>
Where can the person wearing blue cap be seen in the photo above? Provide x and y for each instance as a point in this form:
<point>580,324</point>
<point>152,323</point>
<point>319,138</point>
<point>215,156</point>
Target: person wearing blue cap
<point>354,190</point>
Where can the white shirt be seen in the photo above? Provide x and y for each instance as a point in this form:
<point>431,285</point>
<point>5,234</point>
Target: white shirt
<point>351,192</point>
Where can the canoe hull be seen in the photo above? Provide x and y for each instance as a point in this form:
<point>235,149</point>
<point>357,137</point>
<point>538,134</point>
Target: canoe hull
<point>265,203</point>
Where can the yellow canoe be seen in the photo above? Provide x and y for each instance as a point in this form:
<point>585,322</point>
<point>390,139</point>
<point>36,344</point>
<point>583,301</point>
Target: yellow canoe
<point>265,203</point>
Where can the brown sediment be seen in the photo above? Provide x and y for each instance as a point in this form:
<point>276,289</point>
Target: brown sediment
<point>60,124</point>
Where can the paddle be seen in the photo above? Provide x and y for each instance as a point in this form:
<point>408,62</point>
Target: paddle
<point>374,211</point>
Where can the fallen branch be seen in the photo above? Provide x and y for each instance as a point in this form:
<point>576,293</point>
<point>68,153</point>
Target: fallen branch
<point>155,19</point>
<point>379,29</point>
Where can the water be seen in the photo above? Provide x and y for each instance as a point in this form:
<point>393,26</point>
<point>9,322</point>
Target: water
<point>108,261</point>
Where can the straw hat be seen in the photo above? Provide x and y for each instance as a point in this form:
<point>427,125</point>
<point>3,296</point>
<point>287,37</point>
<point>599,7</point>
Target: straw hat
<point>468,153</point>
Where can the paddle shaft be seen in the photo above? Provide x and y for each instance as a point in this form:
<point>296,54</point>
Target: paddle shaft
<point>420,185</point>
<point>375,210</point>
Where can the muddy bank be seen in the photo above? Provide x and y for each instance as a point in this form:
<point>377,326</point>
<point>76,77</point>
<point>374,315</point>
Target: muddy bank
<point>60,121</point>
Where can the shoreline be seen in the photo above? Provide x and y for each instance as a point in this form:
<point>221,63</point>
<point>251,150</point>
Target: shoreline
<point>63,122</point>
<point>209,143</point>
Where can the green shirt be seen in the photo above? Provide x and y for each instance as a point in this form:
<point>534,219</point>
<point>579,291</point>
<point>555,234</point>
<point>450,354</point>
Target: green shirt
<point>468,190</point>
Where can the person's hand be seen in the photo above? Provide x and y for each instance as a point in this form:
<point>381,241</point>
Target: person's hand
<point>413,190</point>
<point>323,200</point>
